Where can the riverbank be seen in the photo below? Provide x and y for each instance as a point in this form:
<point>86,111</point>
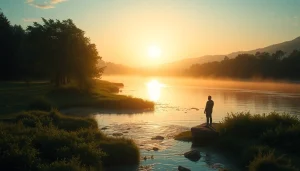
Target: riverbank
<point>259,142</point>
<point>20,96</point>
<point>37,140</point>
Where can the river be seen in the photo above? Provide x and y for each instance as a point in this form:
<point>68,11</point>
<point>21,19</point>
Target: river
<point>179,105</point>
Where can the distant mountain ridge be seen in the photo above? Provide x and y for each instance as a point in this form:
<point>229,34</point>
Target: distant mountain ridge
<point>286,47</point>
<point>112,68</point>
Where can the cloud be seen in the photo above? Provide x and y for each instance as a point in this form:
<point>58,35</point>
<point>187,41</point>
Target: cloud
<point>56,1</point>
<point>31,19</point>
<point>44,5</point>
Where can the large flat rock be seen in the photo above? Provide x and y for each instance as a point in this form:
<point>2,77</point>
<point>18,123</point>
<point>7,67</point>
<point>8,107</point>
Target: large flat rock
<point>204,135</point>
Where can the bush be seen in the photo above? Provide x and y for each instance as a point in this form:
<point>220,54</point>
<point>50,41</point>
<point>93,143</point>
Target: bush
<point>53,117</point>
<point>39,140</point>
<point>250,153</point>
<point>117,154</point>
<point>40,103</point>
<point>285,139</point>
<point>258,138</point>
<point>242,124</point>
<point>269,162</point>
<point>63,165</point>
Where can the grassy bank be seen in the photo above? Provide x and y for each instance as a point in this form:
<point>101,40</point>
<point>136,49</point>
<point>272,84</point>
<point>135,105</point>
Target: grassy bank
<point>18,96</point>
<point>262,142</point>
<point>259,142</point>
<point>36,140</point>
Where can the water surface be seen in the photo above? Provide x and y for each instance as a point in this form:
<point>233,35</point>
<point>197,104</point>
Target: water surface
<point>179,105</point>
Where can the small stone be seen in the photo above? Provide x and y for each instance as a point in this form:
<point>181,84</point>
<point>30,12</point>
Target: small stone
<point>181,168</point>
<point>104,128</point>
<point>193,155</point>
<point>155,148</point>
<point>194,108</point>
<point>157,138</point>
<point>117,134</point>
<point>218,166</point>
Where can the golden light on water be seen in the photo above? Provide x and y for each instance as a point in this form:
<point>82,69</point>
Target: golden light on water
<point>154,90</point>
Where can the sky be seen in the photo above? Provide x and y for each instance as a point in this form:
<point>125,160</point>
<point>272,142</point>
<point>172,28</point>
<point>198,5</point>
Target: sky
<point>125,30</point>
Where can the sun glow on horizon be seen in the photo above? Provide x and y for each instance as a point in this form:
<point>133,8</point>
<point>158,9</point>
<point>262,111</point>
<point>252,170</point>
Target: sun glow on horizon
<point>154,51</point>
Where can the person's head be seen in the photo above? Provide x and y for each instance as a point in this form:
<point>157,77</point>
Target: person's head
<point>209,97</point>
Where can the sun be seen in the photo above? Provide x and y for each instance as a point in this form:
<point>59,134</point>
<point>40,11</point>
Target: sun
<point>154,52</point>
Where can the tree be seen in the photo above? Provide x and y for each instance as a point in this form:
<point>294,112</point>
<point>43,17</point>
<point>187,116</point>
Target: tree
<point>226,58</point>
<point>278,55</point>
<point>10,42</point>
<point>62,52</point>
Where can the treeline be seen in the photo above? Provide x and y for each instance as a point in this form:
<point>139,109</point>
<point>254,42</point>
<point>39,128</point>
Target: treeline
<point>260,65</point>
<point>54,50</point>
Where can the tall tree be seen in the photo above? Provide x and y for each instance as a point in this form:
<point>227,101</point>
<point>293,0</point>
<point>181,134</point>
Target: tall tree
<point>10,45</point>
<point>62,52</point>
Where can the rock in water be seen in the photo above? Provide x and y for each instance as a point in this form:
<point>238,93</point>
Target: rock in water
<point>157,138</point>
<point>204,135</point>
<point>155,149</point>
<point>117,134</point>
<point>193,155</point>
<point>104,128</point>
<point>181,168</point>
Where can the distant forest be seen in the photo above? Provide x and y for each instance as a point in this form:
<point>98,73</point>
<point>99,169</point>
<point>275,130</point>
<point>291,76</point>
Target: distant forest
<point>54,50</point>
<point>261,65</point>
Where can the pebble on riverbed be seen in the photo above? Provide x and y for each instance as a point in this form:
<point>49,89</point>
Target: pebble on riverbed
<point>194,108</point>
<point>104,128</point>
<point>181,168</point>
<point>158,138</point>
<point>155,149</point>
<point>193,155</point>
<point>117,134</point>
<point>145,157</point>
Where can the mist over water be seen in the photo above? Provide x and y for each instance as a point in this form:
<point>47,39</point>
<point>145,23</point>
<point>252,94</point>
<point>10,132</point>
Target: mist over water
<point>183,94</point>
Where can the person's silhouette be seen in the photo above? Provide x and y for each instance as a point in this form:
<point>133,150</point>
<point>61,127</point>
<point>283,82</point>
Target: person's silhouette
<point>208,111</point>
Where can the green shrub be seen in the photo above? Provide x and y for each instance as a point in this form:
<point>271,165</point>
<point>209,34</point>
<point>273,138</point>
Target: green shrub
<point>251,152</point>
<point>285,139</point>
<point>40,103</point>
<point>63,165</point>
<point>256,137</point>
<point>60,121</point>
<point>242,124</point>
<point>269,162</point>
<point>117,154</point>
<point>39,140</point>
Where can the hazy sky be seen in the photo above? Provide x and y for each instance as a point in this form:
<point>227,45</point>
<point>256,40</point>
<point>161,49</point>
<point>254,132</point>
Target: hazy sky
<point>123,30</point>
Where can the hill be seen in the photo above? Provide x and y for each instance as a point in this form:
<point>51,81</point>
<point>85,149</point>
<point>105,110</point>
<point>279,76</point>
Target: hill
<point>286,47</point>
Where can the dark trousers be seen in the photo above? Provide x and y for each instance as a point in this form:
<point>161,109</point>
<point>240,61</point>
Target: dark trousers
<point>208,118</point>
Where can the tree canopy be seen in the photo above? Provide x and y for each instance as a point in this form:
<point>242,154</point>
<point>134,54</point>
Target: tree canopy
<point>54,49</point>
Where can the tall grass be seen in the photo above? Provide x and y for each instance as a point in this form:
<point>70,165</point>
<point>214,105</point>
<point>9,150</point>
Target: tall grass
<point>269,162</point>
<point>18,96</point>
<point>38,140</point>
<point>259,141</point>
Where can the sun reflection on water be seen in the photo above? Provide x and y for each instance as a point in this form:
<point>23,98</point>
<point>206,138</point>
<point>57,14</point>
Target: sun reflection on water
<point>154,90</point>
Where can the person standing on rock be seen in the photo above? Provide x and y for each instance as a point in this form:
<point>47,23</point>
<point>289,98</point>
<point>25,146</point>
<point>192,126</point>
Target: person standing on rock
<point>208,111</point>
